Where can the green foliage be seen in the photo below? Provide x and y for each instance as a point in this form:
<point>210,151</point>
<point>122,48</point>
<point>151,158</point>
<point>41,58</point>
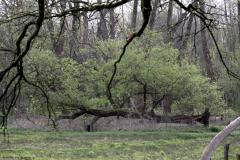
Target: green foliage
<point>214,129</point>
<point>147,62</point>
<point>229,85</point>
<point>157,66</point>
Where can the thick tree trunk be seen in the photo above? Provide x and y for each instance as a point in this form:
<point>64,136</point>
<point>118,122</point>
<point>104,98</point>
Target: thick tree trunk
<point>232,36</point>
<point>134,14</point>
<point>144,99</point>
<point>74,39</point>
<point>153,14</point>
<point>57,44</point>
<point>238,4</point>
<point>60,42</point>
<point>131,114</point>
<point>211,147</point>
<point>102,31</point>
<point>186,37</point>
<point>205,50</point>
<point>169,22</point>
<point>166,104</point>
<point>112,25</point>
<point>85,29</point>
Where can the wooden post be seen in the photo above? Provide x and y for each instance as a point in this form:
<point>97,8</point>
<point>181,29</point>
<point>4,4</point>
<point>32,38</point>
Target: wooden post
<point>226,149</point>
<point>238,156</point>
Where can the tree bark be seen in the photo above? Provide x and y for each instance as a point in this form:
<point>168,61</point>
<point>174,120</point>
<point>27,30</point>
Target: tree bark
<point>129,114</point>
<point>169,22</point>
<point>205,50</point>
<point>232,36</point>
<point>102,31</point>
<point>134,14</point>
<point>186,37</point>
<point>166,104</point>
<point>60,42</point>
<point>74,39</point>
<point>112,25</point>
<point>153,14</point>
<point>211,147</point>
<point>85,29</point>
<point>238,6</point>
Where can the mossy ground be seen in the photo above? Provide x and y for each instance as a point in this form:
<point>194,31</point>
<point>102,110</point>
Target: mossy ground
<point>165,144</point>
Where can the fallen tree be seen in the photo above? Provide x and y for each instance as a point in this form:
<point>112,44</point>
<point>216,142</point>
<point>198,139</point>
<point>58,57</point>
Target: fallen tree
<point>136,115</point>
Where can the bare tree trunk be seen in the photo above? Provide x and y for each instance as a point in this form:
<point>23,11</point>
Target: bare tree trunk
<point>153,14</point>
<point>73,45</point>
<point>166,104</point>
<point>211,147</point>
<point>57,44</point>
<point>85,29</point>
<point>112,25</point>
<point>177,31</point>
<point>134,14</point>
<point>232,34</point>
<point>225,11</point>
<point>186,37</point>
<point>169,22</point>
<point>102,31</point>
<point>238,6</point>
<point>205,50</point>
<point>144,99</point>
<point>60,42</point>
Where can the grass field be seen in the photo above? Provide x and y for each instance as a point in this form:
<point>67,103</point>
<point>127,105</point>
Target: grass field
<point>166,144</point>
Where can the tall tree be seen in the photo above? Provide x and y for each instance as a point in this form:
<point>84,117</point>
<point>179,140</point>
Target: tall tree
<point>74,38</point>
<point>85,29</point>
<point>134,14</point>
<point>112,24</point>
<point>186,36</point>
<point>169,21</point>
<point>102,31</point>
<point>60,42</point>
<point>238,6</point>
<point>153,14</point>
<point>205,50</point>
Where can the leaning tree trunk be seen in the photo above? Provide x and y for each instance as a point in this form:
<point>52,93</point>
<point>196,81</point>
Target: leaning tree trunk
<point>211,147</point>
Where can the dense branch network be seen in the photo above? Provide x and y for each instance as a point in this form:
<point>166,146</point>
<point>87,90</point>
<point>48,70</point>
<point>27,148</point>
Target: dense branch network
<point>17,63</point>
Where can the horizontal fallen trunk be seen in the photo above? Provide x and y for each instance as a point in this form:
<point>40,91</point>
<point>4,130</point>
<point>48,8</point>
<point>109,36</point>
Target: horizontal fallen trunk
<point>130,114</point>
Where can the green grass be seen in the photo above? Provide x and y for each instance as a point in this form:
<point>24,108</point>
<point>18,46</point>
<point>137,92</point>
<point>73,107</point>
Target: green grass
<point>166,144</point>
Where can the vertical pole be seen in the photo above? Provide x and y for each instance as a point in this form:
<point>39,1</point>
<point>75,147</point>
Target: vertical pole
<point>226,149</point>
<point>238,156</point>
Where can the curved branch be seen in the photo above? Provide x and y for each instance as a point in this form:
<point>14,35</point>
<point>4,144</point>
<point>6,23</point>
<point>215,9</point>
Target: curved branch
<point>146,12</point>
<point>206,155</point>
<point>92,7</point>
<point>190,8</point>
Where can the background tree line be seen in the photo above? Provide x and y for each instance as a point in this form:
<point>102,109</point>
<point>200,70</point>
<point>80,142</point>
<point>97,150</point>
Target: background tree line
<point>63,52</point>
